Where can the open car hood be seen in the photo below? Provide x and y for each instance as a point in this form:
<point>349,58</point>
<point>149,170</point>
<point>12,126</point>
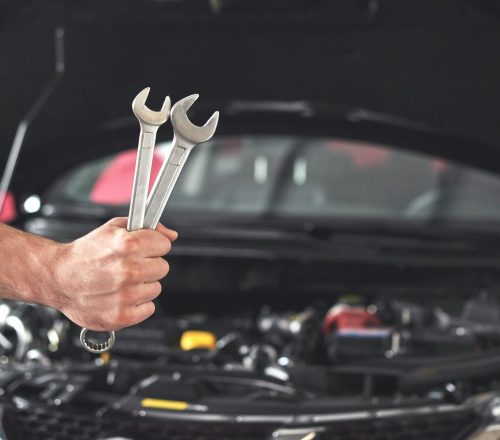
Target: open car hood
<point>424,66</point>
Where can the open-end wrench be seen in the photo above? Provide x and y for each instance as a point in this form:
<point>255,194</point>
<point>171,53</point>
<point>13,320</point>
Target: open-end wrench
<point>186,137</point>
<point>150,121</point>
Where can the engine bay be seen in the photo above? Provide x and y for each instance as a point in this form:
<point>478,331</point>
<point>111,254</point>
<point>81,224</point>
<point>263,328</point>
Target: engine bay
<point>353,354</point>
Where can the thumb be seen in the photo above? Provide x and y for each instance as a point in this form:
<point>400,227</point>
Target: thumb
<point>119,222</point>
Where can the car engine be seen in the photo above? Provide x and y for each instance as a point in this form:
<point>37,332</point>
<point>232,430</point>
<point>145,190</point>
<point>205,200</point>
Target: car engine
<point>255,367</point>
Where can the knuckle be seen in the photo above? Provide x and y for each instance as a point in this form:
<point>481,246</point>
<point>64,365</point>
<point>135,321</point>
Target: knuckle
<point>129,243</point>
<point>122,317</point>
<point>122,273</point>
<point>131,273</point>
<point>127,297</point>
<point>134,274</point>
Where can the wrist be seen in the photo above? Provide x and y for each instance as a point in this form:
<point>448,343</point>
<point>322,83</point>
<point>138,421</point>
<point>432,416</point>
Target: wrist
<point>30,267</point>
<point>40,280</point>
<point>50,291</point>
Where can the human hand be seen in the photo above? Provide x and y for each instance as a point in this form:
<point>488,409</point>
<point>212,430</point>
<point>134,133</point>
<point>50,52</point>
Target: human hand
<point>109,278</point>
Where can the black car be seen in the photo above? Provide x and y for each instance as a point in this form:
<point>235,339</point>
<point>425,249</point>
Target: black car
<point>337,274</point>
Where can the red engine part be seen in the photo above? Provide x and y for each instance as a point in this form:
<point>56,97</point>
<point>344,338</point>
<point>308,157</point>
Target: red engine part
<point>344,317</point>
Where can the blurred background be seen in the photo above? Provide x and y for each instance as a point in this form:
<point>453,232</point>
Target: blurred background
<point>337,273</point>
<point>420,75</point>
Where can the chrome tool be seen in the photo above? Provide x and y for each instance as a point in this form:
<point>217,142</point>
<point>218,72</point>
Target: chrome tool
<point>149,121</point>
<point>186,137</point>
<point>146,212</point>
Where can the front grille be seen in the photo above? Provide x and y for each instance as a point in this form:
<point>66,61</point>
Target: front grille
<point>443,426</point>
<point>52,424</point>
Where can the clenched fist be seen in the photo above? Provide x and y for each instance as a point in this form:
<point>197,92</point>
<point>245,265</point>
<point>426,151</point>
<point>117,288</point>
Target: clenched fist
<point>109,278</point>
<point>105,280</point>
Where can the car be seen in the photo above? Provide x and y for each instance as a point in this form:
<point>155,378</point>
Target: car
<point>337,269</point>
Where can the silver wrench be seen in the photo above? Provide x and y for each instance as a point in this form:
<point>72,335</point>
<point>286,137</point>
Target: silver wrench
<point>186,137</point>
<point>150,121</point>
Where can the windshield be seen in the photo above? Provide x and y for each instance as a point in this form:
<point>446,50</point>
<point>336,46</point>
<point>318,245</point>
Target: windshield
<point>297,176</point>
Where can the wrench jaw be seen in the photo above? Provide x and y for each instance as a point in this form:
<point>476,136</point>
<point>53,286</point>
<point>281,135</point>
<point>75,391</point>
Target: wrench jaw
<point>186,132</point>
<point>147,116</point>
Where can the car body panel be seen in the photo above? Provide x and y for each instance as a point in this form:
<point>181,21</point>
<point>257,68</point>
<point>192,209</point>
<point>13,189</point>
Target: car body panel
<point>417,61</point>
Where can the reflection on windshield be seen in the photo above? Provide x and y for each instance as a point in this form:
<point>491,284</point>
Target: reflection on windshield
<point>299,176</point>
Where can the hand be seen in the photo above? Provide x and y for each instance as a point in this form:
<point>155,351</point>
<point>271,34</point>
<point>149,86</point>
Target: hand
<point>109,278</point>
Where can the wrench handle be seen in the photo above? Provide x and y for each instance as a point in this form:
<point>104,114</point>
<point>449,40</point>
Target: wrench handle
<point>164,183</point>
<point>142,172</point>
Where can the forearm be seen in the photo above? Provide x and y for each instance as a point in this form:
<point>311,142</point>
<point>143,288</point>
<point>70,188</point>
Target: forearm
<point>26,266</point>
<point>106,280</point>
